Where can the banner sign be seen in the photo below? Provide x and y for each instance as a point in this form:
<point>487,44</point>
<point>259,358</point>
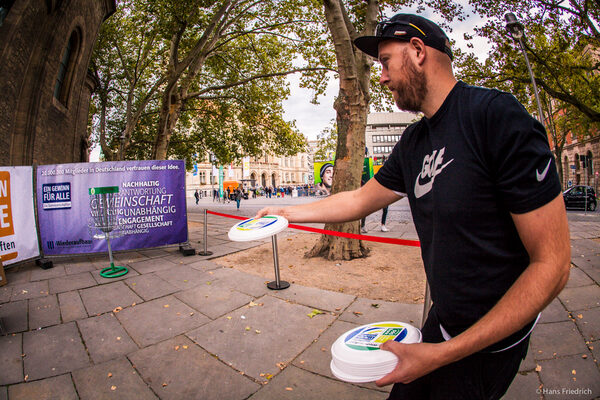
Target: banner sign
<point>150,201</point>
<point>18,236</point>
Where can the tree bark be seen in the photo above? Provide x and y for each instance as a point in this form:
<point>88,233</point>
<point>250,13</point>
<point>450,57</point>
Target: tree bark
<point>351,105</point>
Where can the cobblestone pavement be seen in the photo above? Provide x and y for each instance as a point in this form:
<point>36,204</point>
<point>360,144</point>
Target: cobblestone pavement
<point>180,327</point>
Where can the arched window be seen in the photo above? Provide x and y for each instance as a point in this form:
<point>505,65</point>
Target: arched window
<point>66,69</point>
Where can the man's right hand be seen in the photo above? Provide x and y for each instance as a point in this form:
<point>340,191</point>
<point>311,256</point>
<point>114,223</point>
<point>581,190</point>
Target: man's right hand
<point>270,211</point>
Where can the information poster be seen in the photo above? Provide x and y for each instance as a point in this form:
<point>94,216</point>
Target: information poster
<point>150,204</point>
<point>18,236</point>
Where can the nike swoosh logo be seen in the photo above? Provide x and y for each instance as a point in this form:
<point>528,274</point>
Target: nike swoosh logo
<point>541,175</point>
<point>422,190</point>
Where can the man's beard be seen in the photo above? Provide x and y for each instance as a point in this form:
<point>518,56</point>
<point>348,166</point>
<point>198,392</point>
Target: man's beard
<point>413,88</point>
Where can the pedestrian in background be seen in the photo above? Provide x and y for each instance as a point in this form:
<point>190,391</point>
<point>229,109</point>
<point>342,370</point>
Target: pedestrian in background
<point>197,196</point>
<point>238,197</point>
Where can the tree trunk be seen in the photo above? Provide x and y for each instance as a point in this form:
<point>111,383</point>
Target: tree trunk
<point>351,107</point>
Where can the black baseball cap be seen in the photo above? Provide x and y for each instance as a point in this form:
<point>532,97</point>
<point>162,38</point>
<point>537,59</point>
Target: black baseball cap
<point>404,27</point>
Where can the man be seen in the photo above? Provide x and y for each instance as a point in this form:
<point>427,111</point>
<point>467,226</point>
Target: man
<point>197,196</point>
<point>485,199</point>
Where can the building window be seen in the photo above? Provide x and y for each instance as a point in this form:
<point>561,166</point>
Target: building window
<point>203,177</point>
<point>66,68</point>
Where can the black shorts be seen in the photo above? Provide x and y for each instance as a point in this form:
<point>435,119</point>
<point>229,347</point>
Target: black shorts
<point>478,376</point>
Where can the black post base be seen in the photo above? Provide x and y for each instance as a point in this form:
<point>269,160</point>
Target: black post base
<point>44,264</point>
<point>205,253</point>
<point>282,285</point>
<point>187,250</point>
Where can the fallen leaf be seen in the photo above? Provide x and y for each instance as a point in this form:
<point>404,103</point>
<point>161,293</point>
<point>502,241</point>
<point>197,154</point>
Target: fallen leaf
<point>209,282</point>
<point>375,305</point>
<point>289,389</point>
<point>191,314</point>
<point>268,376</point>
<point>116,310</point>
<point>247,328</point>
<point>118,337</point>
<point>584,356</point>
<point>166,306</point>
<point>110,374</point>
<point>338,308</point>
<point>357,313</point>
<point>228,317</point>
<point>176,348</point>
<point>315,312</point>
<point>257,331</point>
<point>579,316</point>
<point>574,372</point>
<point>538,368</point>
<point>113,387</point>
<point>281,365</point>
<point>252,304</point>
<point>26,377</point>
<point>164,384</point>
<point>185,346</point>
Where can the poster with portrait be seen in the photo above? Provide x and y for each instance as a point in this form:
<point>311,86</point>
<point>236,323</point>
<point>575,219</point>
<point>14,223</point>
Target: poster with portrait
<point>323,173</point>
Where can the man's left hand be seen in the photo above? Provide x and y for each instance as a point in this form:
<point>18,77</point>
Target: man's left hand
<point>414,361</point>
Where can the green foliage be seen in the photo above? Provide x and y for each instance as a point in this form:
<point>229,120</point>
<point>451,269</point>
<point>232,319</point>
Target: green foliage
<point>557,35</point>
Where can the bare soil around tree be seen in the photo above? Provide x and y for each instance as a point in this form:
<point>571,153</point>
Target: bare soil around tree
<point>390,273</point>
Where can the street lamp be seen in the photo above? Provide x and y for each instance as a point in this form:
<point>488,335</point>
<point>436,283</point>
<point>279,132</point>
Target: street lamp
<point>516,31</point>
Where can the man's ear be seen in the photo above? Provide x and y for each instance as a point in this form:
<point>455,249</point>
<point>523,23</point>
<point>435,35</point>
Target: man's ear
<point>419,50</point>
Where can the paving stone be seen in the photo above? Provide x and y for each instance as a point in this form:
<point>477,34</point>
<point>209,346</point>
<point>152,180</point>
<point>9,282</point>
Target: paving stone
<point>524,386</point>
<point>78,267</point>
<point>554,312</point>
<point>72,282</point>
<point>58,387</point>
<point>128,257</point>
<point>11,370</point>
<point>53,351</point>
<point>5,292</point>
<point>180,259</point>
<point>556,340</point>
<point>204,265</point>
<point>153,253</point>
<point>273,333</point>
<point>29,290</point>
<point>220,250</point>
<point>14,316</point>
<point>561,383</point>
<point>580,298</point>
<point>589,323</point>
<point>168,368</point>
<point>43,312</point>
<point>160,319</point>
<point>578,278</point>
<point>105,338</point>
<point>102,280</point>
<point>183,277</point>
<point>71,306</point>
<point>3,393</point>
<point>213,300</point>
<point>44,274</point>
<point>104,298</point>
<point>253,285</point>
<point>17,275</point>
<point>150,286</point>
<point>123,382</point>
<point>316,298</point>
<point>152,265</point>
<point>297,384</point>
<point>363,312</point>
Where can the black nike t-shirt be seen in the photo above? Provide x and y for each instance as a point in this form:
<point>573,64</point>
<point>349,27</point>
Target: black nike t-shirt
<point>478,159</point>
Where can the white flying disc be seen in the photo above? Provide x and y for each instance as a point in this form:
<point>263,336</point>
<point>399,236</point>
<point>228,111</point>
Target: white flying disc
<point>255,229</point>
<point>356,357</point>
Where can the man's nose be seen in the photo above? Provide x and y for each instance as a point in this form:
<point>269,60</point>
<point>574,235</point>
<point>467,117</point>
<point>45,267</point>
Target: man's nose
<point>384,78</point>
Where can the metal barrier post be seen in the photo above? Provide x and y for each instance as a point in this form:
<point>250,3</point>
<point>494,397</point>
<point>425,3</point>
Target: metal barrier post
<point>205,252</point>
<point>276,284</point>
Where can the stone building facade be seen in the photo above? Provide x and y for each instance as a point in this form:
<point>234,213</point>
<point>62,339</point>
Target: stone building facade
<point>384,130</point>
<point>45,50</point>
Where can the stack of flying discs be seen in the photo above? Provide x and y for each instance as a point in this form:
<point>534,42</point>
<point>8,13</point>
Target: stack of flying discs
<point>256,229</point>
<point>356,356</point>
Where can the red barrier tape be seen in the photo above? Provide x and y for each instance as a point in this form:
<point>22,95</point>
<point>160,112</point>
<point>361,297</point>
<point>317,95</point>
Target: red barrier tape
<point>403,242</point>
